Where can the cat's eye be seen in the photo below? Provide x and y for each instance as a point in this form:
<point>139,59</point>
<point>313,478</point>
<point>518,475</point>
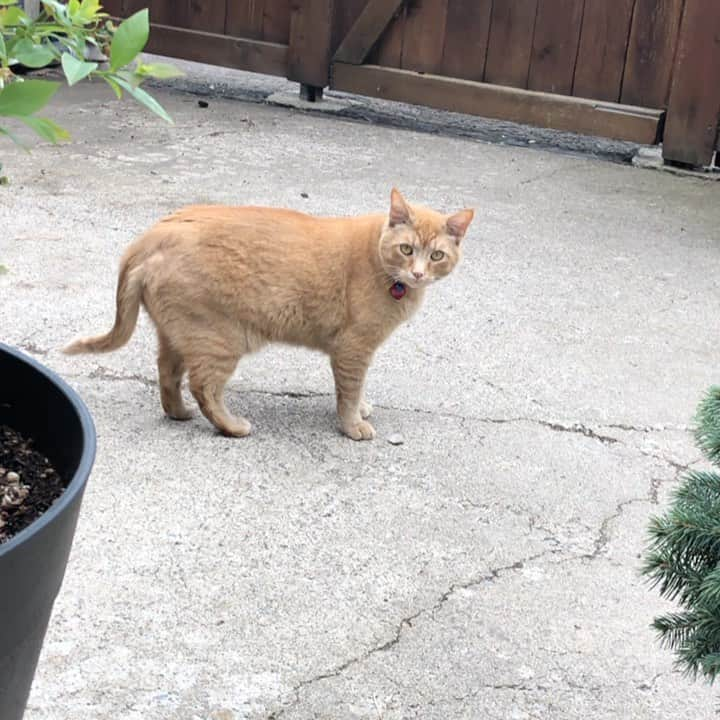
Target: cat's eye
<point>406,249</point>
<point>437,255</point>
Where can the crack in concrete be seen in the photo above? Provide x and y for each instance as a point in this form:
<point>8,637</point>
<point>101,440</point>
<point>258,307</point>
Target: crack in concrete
<point>647,428</point>
<point>548,174</point>
<point>657,483</point>
<point>293,394</point>
<point>580,429</point>
<point>679,467</point>
<point>32,348</point>
<point>599,546</point>
<point>603,537</point>
<point>105,373</point>
<point>515,687</point>
<point>649,686</point>
<point>653,493</point>
<point>493,575</point>
<point>406,622</point>
<point>577,428</point>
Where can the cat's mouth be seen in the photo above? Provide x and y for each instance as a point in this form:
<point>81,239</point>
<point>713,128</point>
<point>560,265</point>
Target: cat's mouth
<point>399,275</point>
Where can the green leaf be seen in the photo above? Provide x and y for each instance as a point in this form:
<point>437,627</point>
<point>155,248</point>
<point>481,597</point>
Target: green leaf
<point>46,129</point>
<point>90,10</point>
<point>146,99</point>
<point>159,70</point>
<point>3,50</point>
<point>25,98</point>
<point>55,6</point>
<point>14,138</point>
<point>129,77</point>
<point>130,38</point>
<point>31,54</point>
<point>5,3</point>
<point>57,11</point>
<point>113,84</point>
<point>12,16</point>
<point>76,70</point>
<point>73,6</point>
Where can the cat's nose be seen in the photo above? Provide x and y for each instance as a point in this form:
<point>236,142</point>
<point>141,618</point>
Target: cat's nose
<point>418,275</point>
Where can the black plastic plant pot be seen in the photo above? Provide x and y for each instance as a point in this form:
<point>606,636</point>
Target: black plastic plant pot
<point>40,406</point>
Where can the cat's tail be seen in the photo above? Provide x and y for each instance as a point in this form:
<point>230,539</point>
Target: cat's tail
<point>129,294</point>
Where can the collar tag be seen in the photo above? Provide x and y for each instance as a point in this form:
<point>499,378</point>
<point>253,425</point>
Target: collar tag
<point>398,290</point>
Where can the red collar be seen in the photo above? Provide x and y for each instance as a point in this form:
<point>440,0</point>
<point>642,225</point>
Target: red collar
<point>398,291</point>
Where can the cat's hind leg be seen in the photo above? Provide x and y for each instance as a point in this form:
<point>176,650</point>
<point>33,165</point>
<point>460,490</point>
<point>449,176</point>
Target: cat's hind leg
<point>209,374</point>
<point>171,369</point>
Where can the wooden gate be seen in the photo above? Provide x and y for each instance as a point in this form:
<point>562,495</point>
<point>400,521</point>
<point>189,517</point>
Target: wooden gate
<point>640,70</point>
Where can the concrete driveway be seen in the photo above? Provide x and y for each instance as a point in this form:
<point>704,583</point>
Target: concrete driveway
<point>486,568</point>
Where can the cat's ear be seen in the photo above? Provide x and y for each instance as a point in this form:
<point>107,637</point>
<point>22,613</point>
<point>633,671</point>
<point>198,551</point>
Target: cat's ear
<point>399,210</point>
<point>458,224</point>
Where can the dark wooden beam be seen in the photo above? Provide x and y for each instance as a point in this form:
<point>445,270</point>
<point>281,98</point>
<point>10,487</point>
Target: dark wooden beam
<point>366,31</point>
<point>691,130</point>
<point>496,101</point>
<point>310,38</point>
<point>233,52</point>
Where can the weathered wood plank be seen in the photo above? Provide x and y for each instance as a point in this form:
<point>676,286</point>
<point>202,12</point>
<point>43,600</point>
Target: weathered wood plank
<point>276,21</point>
<point>345,13</point>
<point>164,12</point>
<point>467,32</point>
<point>245,18</point>
<point>205,15</point>
<point>494,101</point>
<point>243,54</point>
<point>510,44</point>
<point>388,49</point>
<point>691,130</point>
<point>310,36</point>
<point>366,30</point>
<point>424,35</point>
<point>555,45</point>
<point>603,46</point>
<point>651,52</point>
<point>158,8</point>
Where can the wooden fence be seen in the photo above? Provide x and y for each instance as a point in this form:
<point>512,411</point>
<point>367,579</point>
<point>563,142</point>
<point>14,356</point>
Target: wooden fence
<point>640,70</point>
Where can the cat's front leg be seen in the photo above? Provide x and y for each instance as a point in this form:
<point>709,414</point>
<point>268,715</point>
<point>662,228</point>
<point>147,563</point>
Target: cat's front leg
<point>350,368</point>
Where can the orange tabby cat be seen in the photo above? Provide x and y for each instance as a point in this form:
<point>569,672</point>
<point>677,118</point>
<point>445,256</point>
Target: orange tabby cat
<point>220,282</point>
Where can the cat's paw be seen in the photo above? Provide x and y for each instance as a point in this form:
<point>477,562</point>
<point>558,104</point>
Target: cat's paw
<point>362,430</point>
<point>180,414</point>
<point>239,427</point>
<point>366,409</point>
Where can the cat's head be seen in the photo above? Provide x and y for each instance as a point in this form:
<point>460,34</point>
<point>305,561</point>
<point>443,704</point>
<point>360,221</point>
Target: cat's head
<point>419,246</point>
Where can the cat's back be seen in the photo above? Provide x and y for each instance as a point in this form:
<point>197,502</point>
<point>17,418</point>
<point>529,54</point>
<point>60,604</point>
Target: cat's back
<point>236,221</point>
<point>266,233</point>
<point>243,228</point>
<point>232,214</point>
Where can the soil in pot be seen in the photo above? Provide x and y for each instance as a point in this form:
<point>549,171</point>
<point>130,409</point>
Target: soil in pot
<point>29,484</point>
